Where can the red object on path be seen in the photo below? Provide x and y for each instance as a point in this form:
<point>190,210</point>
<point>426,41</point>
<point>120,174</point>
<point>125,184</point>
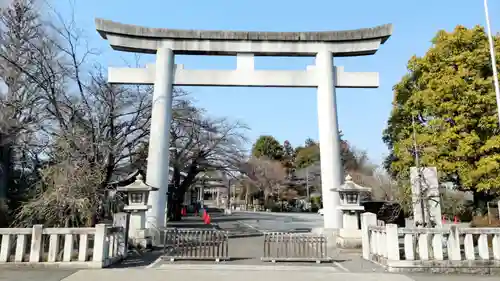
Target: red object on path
<point>207,219</point>
<point>455,220</point>
<point>443,219</point>
<point>183,211</point>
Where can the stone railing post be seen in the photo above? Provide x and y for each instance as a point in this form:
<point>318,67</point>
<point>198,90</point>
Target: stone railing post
<point>454,244</point>
<point>367,219</point>
<point>36,243</point>
<point>5,248</point>
<point>496,246</point>
<point>498,208</point>
<point>392,242</point>
<point>100,247</point>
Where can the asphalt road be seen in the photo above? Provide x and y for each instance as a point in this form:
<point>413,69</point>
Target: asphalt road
<point>263,222</point>
<point>246,241</point>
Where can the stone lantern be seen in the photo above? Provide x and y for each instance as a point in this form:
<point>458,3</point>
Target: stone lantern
<point>137,194</point>
<point>350,205</point>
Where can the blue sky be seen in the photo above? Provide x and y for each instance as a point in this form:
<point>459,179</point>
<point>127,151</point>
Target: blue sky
<point>290,114</point>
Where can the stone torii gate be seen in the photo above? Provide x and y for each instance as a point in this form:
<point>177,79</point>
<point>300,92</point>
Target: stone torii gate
<point>165,74</point>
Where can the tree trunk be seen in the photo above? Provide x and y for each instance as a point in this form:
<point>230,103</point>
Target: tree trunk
<point>246,198</point>
<point>6,173</point>
<point>177,191</point>
<point>175,208</point>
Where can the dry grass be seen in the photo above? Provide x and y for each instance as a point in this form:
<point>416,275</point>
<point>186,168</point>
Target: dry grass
<point>484,222</point>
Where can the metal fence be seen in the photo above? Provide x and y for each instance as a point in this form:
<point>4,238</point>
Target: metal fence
<point>195,244</point>
<point>286,246</point>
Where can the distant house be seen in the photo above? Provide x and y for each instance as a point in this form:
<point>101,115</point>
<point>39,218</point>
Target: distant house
<point>214,185</point>
<point>208,185</point>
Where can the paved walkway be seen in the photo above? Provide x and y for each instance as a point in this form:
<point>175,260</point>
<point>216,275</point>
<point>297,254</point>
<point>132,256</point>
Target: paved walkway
<point>29,274</point>
<point>231,273</point>
<point>223,272</point>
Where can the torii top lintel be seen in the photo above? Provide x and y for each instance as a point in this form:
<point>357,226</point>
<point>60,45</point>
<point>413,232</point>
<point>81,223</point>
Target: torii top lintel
<point>133,38</point>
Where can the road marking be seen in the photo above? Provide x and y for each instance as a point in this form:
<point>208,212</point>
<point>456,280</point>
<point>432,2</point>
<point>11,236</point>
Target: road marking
<point>343,268</point>
<point>251,226</point>
<point>155,263</point>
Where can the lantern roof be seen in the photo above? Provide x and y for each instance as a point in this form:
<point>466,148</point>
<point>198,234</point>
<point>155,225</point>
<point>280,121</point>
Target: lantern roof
<point>350,185</point>
<point>137,185</point>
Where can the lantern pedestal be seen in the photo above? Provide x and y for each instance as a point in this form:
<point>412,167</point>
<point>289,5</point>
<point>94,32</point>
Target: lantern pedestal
<point>349,236</point>
<point>137,194</point>
<point>137,231</point>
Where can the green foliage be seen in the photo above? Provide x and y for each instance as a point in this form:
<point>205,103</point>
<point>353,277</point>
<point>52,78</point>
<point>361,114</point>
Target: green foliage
<point>268,147</point>
<point>352,159</point>
<point>315,204</point>
<point>309,142</point>
<point>449,93</point>
<point>307,156</point>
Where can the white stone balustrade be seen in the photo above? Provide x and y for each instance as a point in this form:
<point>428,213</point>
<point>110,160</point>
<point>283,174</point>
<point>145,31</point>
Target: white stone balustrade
<point>433,249</point>
<point>92,247</point>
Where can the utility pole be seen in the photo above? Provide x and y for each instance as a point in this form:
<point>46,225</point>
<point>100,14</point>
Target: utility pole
<point>307,189</point>
<point>493,58</point>
<point>307,184</point>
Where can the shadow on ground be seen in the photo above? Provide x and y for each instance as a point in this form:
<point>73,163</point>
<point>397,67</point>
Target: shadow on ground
<point>139,260</point>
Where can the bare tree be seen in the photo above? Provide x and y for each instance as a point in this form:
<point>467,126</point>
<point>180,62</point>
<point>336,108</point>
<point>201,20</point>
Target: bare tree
<point>202,144</point>
<point>83,126</point>
<point>453,203</point>
<point>68,194</point>
<point>262,175</point>
<point>20,102</point>
<point>199,144</point>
